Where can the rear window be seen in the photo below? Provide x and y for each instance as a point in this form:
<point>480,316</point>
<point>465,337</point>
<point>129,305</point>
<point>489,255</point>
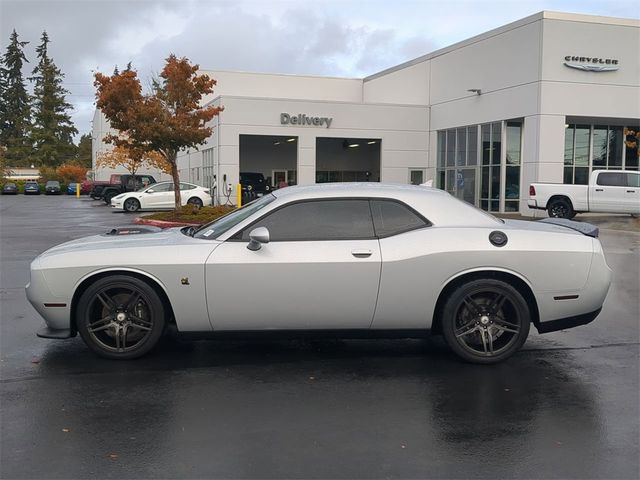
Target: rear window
<point>392,217</point>
<point>612,179</point>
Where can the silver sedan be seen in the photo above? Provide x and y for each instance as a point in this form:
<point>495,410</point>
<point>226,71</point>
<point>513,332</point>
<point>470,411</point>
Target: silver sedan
<point>359,260</point>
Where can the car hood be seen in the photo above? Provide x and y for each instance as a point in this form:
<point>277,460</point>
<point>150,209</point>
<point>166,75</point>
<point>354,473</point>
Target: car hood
<point>125,237</point>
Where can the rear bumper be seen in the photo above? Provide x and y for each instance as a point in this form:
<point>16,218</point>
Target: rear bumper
<point>59,334</point>
<point>534,204</point>
<point>568,322</point>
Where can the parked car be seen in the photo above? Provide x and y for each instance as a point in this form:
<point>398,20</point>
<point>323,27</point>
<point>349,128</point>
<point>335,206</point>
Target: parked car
<point>9,188</point>
<point>161,196</point>
<point>348,259</point>
<point>85,187</point>
<point>96,189</point>
<point>254,182</point>
<point>125,183</point>
<point>52,187</point>
<point>31,188</point>
<point>608,191</point>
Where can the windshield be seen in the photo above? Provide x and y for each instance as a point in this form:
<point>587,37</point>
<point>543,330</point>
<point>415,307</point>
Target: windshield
<point>219,226</point>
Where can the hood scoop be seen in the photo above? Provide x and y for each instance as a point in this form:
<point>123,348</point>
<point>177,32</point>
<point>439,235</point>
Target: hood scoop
<point>582,227</point>
<point>132,230</point>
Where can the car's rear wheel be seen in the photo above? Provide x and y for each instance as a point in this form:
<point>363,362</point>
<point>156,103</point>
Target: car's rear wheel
<point>195,201</point>
<point>120,317</point>
<point>131,205</point>
<point>560,208</point>
<point>107,197</point>
<point>485,321</point>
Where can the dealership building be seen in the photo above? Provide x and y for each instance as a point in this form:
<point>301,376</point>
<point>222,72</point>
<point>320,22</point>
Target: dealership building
<point>547,98</point>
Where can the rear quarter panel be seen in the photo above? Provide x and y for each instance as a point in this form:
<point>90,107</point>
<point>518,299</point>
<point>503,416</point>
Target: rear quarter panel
<point>578,194</point>
<point>418,265</point>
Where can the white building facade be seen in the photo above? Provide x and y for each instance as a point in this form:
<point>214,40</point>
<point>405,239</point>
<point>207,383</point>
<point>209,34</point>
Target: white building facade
<point>544,99</point>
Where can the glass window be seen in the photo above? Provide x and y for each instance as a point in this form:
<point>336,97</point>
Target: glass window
<point>615,147</point>
<point>600,146</point>
<point>161,187</point>
<point>568,146</point>
<point>318,220</point>
<point>513,143</point>
<point>461,147</point>
<point>496,143</point>
<point>612,179</point>
<point>187,186</point>
<point>632,137</point>
<point>416,176</point>
<point>581,176</point>
<point>472,142</point>
<point>581,157</point>
<point>633,180</point>
<point>451,146</point>
<point>219,226</point>
<point>486,144</point>
<point>392,218</point>
<point>512,183</point>
<point>442,146</point>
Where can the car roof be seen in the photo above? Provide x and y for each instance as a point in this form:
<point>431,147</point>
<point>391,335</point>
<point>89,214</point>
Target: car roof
<point>438,206</point>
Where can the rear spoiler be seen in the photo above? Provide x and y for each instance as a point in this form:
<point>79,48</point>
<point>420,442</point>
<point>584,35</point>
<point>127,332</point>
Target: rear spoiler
<point>585,228</point>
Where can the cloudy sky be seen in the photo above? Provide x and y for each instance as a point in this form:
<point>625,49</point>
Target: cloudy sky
<point>352,38</point>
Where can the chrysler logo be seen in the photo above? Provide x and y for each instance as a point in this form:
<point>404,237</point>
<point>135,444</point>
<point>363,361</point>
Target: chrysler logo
<point>591,64</point>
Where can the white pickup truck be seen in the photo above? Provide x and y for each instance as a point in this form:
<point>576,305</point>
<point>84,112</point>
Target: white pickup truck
<point>608,191</point>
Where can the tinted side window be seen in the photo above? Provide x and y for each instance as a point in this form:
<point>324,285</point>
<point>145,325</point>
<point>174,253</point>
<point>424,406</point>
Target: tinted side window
<point>613,179</point>
<point>318,220</point>
<point>633,180</point>
<point>186,186</point>
<point>163,187</point>
<point>391,218</point>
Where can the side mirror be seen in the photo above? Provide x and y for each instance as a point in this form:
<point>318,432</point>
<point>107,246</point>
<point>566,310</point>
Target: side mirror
<point>151,190</point>
<point>258,236</point>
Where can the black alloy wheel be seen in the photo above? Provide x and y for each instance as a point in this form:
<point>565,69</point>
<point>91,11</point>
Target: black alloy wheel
<point>195,201</point>
<point>120,317</point>
<point>561,208</point>
<point>131,205</point>
<point>486,321</point>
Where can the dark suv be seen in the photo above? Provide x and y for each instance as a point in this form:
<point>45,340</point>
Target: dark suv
<point>254,182</point>
<point>126,183</point>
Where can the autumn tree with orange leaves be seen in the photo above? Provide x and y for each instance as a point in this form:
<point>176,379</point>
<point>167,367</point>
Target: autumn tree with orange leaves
<point>167,120</point>
<point>132,160</point>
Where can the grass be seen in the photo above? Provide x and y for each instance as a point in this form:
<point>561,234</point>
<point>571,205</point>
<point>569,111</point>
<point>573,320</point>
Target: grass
<point>192,214</point>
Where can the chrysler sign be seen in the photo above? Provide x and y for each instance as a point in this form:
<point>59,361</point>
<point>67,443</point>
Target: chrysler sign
<point>302,119</point>
<point>591,64</point>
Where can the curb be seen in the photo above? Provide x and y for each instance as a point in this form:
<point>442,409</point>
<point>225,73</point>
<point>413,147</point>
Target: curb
<point>162,223</point>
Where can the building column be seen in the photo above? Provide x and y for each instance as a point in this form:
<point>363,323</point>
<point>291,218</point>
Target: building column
<point>306,160</point>
<point>543,155</point>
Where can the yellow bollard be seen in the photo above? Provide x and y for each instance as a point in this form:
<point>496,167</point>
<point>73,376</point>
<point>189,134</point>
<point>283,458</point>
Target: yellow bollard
<point>238,195</point>
<point>77,190</point>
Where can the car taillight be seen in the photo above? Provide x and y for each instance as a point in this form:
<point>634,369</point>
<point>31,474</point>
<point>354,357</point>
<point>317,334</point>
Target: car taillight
<point>532,191</point>
<point>206,190</point>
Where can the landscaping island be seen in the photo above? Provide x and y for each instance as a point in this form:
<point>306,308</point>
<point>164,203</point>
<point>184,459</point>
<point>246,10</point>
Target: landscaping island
<point>189,215</point>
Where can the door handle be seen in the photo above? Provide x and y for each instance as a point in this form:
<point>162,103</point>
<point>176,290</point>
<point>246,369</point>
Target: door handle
<point>631,191</point>
<point>361,253</point>
<point>599,190</point>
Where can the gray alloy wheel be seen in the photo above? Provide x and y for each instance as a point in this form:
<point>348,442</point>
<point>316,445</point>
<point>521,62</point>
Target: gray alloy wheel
<point>131,205</point>
<point>486,321</point>
<point>120,317</point>
<point>195,201</point>
<point>560,208</point>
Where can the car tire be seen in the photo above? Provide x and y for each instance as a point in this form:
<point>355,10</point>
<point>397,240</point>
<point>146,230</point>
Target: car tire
<point>195,201</point>
<point>107,197</point>
<point>560,208</point>
<point>120,317</point>
<point>131,205</point>
<point>485,321</point>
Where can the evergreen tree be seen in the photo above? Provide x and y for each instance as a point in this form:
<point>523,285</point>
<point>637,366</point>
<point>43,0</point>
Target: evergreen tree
<point>15,111</point>
<point>52,130</point>
<point>83,153</point>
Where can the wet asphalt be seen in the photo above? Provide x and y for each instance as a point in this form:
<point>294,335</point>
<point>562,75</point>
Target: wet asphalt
<point>566,406</point>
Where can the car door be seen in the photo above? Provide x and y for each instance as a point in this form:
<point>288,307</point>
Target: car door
<point>608,192</point>
<point>159,195</point>
<point>320,270</point>
<point>632,193</point>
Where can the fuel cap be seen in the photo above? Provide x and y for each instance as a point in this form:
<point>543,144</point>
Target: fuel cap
<point>498,238</point>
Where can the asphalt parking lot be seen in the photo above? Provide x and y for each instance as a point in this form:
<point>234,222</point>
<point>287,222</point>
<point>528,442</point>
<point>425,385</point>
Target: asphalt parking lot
<point>566,406</point>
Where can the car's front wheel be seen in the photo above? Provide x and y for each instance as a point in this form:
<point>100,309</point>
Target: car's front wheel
<point>195,201</point>
<point>485,321</point>
<point>131,205</point>
<point>120,317</point>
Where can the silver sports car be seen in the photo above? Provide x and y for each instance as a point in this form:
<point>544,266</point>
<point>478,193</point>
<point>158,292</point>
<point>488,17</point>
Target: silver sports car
<point>361,260</point>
